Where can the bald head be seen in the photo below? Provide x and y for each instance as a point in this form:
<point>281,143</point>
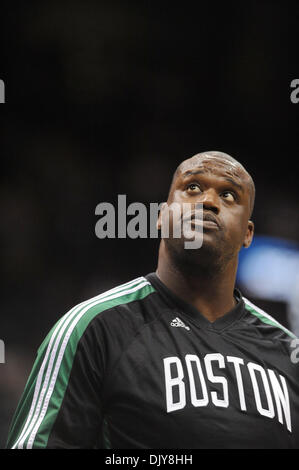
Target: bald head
<point>221,160</point>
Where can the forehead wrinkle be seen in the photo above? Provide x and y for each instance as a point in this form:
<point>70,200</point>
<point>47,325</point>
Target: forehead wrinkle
<point>227,177</point>
<point>226,172</point>
<point>222,160</point>
<point>208,161</point>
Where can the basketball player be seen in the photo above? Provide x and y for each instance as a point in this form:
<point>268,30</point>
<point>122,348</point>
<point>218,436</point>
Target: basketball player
<point>175,359</point>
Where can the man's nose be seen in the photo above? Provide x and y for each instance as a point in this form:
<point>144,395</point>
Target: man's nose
<point>210,200</point>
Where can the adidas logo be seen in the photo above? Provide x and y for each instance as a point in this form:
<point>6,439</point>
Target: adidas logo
<point>177,322</point>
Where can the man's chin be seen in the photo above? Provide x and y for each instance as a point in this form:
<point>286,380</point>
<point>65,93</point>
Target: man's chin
<point>207,247</point>
<point>205,240</point>
<point>205,261</point>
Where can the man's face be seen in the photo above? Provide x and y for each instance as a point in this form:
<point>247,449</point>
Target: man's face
<point>223,189</point>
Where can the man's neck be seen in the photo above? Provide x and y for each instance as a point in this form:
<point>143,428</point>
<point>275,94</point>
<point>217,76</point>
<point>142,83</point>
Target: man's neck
<point>212,296</point>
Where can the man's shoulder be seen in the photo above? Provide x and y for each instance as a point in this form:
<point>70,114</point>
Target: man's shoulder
<point>114,301</point>
<point>266,322</point>
<point>114,310</point>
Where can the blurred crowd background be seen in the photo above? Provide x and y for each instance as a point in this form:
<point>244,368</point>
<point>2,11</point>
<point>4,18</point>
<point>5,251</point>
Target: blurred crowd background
<point>106,98</point>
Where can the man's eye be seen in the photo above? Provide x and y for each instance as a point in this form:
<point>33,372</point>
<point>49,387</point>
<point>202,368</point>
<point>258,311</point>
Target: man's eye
<point>228,196</point>
<point>193,187</point>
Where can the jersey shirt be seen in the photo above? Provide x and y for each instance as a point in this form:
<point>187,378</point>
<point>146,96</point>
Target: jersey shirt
<point>137,367</point>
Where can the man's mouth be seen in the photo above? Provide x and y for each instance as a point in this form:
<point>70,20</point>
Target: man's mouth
<point>206,220</point>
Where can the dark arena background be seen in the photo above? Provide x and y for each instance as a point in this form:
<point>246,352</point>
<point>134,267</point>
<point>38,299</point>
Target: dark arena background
<point>106,98</point>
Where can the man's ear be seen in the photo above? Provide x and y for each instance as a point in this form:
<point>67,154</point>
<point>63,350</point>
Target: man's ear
<point>249,234</point>
<point>159,220</point>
